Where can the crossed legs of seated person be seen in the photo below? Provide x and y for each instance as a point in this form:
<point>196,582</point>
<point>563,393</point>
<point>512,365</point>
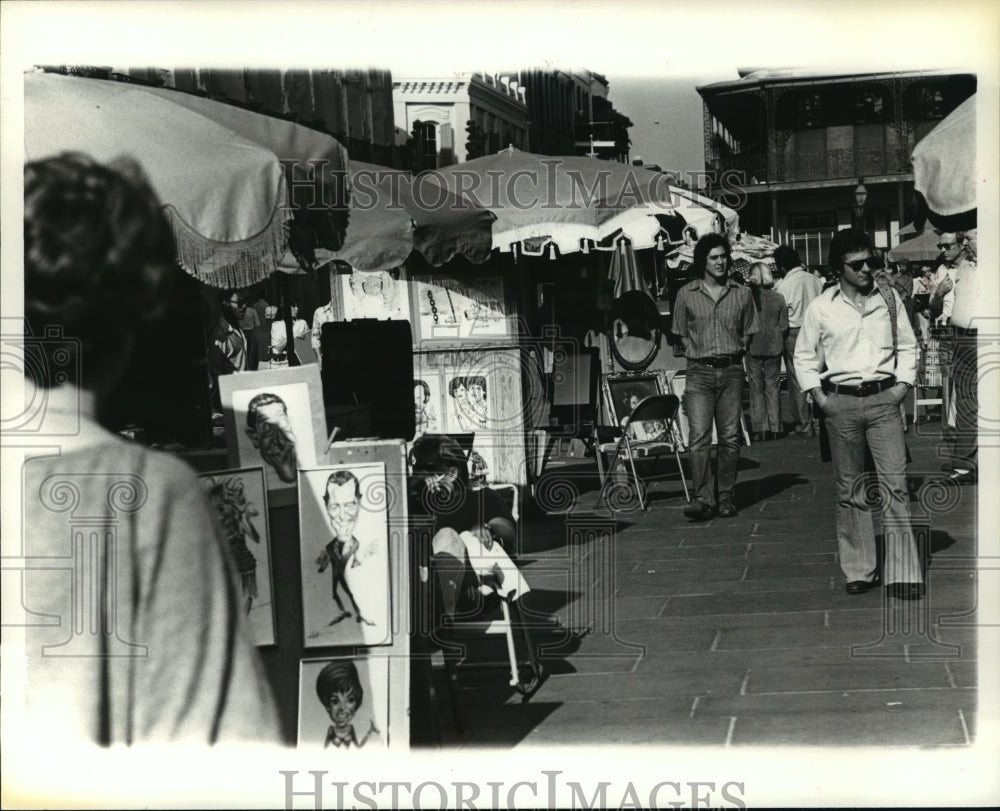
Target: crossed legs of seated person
<point>473,561</point>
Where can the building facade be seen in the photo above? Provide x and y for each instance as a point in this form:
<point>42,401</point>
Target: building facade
<point>792,149</point>
<point>450,119</point>
<point>355,106</point>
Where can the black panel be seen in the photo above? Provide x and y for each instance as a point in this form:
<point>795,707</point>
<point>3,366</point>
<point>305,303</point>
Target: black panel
<point>367,371</point>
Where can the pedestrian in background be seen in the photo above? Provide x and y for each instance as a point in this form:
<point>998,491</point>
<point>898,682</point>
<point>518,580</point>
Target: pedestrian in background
<point>714,318</point>
<point>969,310</point>
<point>856,355</point>
<point>798,287</point>
<point>763,363</point>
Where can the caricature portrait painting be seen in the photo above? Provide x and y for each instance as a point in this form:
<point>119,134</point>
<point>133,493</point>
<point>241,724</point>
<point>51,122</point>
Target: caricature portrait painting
<point>344,543</point>
<point>274,419</point>
<point>344,703</point>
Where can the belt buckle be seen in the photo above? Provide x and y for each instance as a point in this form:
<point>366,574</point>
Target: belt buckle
<point>867,388</point>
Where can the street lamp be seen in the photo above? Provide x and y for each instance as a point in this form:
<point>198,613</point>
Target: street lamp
<point>860,198</point>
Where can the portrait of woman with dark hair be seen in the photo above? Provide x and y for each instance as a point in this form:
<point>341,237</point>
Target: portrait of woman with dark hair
<point>354,695</point>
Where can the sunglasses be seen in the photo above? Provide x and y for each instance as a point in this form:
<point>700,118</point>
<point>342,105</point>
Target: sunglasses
<point>873,262</point>
<point>943,246</point>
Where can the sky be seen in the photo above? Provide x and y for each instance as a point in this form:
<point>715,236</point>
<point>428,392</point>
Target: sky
<point>666,116</point>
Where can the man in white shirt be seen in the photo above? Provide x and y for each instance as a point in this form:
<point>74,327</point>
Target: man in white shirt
<point>968,311</point>
<point>799,288</point>
<point>859,362</point>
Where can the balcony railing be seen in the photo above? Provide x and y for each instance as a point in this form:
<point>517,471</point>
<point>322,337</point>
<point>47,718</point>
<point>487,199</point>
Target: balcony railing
<point>831,164</point>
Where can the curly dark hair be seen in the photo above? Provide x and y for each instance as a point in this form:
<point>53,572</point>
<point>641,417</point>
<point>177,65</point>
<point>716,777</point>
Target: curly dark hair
<point>98,254</point>
<point>704,246</point>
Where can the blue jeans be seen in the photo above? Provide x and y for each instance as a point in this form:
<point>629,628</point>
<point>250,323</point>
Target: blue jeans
<point>765,408</point>
<point>854,423</point>
<point>796,397</point>
<point>713,395</point>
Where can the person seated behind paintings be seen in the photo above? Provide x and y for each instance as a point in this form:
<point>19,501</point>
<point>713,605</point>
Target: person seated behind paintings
<point>470,529</point>
<point>176,661</point>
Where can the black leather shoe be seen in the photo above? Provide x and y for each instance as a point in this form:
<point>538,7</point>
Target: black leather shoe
<point>961,477</point>
<point>859,587</point>
<point>906,591</point>
<point>727,509</point>
<point>757,436</point>
<point>699,511</point>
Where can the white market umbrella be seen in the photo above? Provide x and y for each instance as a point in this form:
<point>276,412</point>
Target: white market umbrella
<point>944,170</point>
<point>573,203</point>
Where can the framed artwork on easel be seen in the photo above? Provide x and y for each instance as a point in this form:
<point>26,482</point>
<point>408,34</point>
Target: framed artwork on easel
<point>623,392</point>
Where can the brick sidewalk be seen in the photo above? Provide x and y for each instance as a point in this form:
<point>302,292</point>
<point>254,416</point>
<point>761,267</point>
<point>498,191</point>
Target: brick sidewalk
<point>733,631</point>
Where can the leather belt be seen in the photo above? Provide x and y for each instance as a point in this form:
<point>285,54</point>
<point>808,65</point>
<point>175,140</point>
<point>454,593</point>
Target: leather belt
<point>864,390</point>
<point>720,361</point>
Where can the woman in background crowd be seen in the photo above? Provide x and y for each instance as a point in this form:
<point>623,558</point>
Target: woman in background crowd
<point>279,333</point>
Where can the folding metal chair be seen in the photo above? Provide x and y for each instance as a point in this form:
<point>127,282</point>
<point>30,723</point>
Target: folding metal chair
<point>654,408</point>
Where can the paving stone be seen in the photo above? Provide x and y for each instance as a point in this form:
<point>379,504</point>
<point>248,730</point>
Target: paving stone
<point>887,727</point>
<point>877,674</point>
<point>943,700</point>
<point>660,676</point>
<point>758,569</point>
<point>964,674</point>
<point>638,607</point>
<point>606,731</point>
<point>764,549</point>
<point>675,689</point>
<point>841,636</point>
<point>744,660</point>
<point>739,586</point>
<point>692,569</point>
<point>763,603</point>
<point>779,620</point>
<point>655,634</point>
<point>727,553</point>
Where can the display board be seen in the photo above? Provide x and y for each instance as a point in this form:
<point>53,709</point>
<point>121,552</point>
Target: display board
<point>476,390</point>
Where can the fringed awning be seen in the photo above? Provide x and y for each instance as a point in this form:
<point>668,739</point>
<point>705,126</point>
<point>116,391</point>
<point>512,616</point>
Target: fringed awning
<point>230,265</point>
<point>394,214</point>
<point>225,176</point>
